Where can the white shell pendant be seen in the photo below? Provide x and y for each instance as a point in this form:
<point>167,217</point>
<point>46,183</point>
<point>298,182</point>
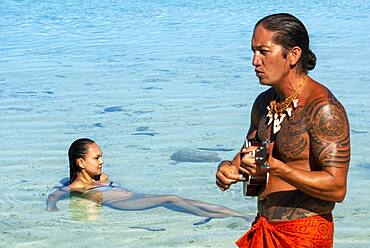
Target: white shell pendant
<point>277,121</point>
<point>295,103</point>
<point>289,111</point>
<point>270,120</point>
<point>276,126</point>
<point>282,116</point>
<point>277,111</point>
<point>269,115</point>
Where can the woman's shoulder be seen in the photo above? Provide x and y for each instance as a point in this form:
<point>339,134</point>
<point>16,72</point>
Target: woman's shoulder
<point>77,186</point>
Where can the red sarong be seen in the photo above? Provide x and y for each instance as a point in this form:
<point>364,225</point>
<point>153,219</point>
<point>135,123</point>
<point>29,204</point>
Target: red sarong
<point>316,231</point>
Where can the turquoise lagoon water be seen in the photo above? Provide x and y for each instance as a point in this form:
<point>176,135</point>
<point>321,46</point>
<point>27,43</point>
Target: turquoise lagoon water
<point>146,79</point>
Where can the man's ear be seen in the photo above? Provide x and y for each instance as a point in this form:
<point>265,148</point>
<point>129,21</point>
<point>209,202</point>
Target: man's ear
<point>294,55</point>
<point>80,163</point>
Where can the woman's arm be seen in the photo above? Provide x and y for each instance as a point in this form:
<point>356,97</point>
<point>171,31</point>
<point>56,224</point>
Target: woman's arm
<point>53,198</point>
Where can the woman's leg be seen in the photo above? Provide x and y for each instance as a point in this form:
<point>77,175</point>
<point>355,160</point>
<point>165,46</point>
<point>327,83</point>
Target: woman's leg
<point>173,202</point>
<point>216,208</point>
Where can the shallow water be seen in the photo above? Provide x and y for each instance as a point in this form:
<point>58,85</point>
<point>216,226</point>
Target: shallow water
<point>146,79</point>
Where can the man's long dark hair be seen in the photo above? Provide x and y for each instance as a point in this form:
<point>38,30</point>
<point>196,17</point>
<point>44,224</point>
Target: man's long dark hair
<point>289,32</point>
<point>78,149</point>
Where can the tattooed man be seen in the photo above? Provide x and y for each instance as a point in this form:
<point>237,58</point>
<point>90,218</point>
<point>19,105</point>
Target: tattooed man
<point>309,153</point>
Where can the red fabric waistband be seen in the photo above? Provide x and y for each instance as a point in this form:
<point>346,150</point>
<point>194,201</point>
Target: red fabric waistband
<point>314,231</point>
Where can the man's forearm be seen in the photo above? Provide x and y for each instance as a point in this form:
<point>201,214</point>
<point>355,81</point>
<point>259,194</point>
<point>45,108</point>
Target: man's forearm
<point>319,184</point>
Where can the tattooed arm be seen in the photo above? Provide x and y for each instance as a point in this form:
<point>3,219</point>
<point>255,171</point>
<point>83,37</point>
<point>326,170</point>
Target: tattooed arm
<point>328,132</point>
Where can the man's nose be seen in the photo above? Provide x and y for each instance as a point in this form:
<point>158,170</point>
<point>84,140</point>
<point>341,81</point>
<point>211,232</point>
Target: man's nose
<point>256,60</point>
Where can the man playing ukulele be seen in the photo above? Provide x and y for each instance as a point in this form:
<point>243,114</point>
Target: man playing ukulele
<point>309,153</point>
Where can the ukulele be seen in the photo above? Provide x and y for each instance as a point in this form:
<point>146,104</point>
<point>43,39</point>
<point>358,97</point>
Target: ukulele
<point>253,184</point>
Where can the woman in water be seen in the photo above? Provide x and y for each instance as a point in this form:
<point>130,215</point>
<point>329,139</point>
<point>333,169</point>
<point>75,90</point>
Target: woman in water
<point>88,181</point>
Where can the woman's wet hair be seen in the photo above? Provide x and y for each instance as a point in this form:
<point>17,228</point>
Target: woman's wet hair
<point>78,149</point>
<point>289,32</point>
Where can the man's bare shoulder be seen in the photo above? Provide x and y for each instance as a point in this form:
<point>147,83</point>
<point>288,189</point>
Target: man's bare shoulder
<point>259,109</point>
<point>324,107</point>
<point>321,103</point>
<point>320,94</point>
<point>264,98</point>
<point>266,94</point>
<point>328,128</point>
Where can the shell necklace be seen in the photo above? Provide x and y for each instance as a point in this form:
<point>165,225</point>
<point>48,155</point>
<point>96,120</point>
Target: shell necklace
<point>277,111</point>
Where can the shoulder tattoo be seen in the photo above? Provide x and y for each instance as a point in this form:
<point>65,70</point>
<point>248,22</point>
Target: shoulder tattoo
<point>329,133</point>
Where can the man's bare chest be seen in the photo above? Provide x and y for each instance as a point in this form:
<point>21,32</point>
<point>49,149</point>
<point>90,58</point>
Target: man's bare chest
<point>292,141</point>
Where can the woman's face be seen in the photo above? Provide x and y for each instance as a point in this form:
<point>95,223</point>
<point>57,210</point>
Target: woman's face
<point>93,160</point>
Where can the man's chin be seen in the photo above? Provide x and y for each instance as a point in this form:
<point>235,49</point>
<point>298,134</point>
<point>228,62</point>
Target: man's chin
<point>263,81</point>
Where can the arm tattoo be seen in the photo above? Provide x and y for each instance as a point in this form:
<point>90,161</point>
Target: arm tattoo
<point>329,133</point>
